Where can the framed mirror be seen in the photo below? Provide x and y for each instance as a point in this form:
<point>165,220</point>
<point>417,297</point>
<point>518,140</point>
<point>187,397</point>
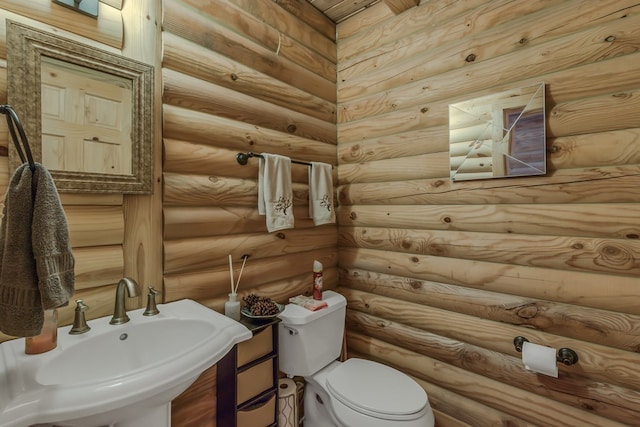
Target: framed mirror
<point>499,135</point>
<point>87,113</point>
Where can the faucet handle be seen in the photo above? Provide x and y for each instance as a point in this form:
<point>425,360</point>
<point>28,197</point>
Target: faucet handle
<point>151,310</point>
<point>79,321</point>
<point>81,306</point>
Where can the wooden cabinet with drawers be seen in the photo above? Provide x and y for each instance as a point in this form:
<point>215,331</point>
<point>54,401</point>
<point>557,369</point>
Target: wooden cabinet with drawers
<point>247,379</point>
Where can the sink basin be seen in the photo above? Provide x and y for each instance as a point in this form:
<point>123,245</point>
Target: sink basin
<point>115,375</point>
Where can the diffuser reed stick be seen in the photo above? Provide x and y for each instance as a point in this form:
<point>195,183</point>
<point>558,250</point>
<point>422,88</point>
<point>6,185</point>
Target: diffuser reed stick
<point>233,287</point>
<point>244,260</point>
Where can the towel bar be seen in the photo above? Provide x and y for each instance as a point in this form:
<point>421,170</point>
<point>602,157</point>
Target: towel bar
<point>243,158</point>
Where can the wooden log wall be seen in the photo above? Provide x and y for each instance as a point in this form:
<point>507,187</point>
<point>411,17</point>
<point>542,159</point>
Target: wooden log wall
<point>440,276</point>
<point>239,76</point>
<point>242,76</point>
<point>112,235</point>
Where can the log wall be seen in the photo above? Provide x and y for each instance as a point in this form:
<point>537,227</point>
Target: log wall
<point>440,276</point>
<point>242,76</point>
<point>239,76</point>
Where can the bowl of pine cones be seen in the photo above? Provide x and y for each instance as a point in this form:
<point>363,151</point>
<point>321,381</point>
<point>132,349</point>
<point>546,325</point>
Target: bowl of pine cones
<point>257,307</point>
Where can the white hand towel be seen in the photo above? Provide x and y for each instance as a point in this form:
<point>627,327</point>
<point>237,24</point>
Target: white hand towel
<point>275,194</point>
<point>321,194</point>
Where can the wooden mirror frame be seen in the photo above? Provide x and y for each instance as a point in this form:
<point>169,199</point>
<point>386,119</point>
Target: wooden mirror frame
<point>26,46</point>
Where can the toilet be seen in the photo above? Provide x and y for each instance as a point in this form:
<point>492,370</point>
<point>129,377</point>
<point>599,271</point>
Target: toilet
<point>354,393</point>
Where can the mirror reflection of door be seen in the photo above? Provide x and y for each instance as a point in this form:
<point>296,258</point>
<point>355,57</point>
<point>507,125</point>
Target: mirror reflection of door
<point>526,154</point>
<point>86,119</point>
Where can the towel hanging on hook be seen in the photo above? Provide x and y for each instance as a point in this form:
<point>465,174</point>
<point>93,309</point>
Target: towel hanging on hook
<point>13,120</point>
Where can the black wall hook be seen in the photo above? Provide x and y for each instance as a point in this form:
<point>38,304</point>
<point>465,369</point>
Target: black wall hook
<point>13,120</point>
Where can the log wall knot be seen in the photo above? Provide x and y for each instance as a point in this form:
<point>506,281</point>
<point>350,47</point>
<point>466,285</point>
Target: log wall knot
<point>610,39</point>
<point>291,128</point>
<point>447,219</point>
<point>472,356</point>
<point>437,249</point>
<point>555,148</point>
<point>523,41</point>
<point>234,76</point>
<point>415,284</point>
<point>471,57</point>
<point>632,236</point>
<point>353,215</point>
<point>615,256</point>
<point>526,311</point>
<point>406,243</point>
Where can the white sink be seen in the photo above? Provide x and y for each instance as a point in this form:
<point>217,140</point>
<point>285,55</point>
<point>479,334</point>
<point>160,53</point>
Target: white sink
<point>115,375</point>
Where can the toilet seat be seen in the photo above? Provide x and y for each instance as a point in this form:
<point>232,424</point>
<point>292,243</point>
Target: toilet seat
<point>376,390</point>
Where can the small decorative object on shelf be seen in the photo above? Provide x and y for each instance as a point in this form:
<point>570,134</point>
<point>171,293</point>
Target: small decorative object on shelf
<point>232,307</point>
<point>257,307</point>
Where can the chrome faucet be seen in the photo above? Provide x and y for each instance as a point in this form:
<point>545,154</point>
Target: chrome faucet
<point>120,310</point>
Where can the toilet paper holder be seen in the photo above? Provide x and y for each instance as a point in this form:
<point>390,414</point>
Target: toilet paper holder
<point>565,355</point>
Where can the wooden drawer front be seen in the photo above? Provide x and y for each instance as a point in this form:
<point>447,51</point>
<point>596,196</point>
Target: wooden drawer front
<point>260,345</point>
<point>261,414</point>
<point>254,381</point>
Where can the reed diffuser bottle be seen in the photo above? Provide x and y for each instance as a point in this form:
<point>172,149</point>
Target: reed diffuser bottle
<point>232,307</point>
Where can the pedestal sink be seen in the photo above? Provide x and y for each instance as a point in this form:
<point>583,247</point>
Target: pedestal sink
<point>115,375</point>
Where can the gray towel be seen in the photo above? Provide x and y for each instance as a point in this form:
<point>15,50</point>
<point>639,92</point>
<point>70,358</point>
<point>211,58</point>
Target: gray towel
<point>36,261</point>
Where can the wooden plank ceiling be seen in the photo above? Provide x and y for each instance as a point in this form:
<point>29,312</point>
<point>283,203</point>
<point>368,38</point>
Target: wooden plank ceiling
<point>339,10</point>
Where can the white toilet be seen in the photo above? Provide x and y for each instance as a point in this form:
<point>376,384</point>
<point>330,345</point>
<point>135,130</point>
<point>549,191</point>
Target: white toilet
<point>354,393</point>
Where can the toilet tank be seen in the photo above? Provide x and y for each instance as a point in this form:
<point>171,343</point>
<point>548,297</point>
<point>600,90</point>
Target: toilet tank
<point>310,340</point>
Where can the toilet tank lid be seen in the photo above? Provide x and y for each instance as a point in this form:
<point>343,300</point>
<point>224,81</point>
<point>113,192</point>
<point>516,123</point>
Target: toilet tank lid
<point>296,315</point>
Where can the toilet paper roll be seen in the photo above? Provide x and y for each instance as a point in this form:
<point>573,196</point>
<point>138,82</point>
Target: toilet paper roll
<point>539,358</point>
<point>287,403</point>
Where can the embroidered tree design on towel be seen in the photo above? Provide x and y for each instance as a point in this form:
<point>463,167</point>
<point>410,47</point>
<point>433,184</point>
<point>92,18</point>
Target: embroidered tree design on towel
<point>326,202</point>
<point>321,193</point>
<point>282,205</point>
<point>275,195</point>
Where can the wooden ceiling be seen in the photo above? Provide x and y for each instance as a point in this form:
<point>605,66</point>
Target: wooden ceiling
<point>339,10</point>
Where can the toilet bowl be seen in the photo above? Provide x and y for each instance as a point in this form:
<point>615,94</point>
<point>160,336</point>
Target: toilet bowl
<point>353,393</point>
<point>360,392</point>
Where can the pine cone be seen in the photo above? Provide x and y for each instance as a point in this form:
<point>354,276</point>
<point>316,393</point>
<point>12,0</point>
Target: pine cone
<point>260,306</point>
